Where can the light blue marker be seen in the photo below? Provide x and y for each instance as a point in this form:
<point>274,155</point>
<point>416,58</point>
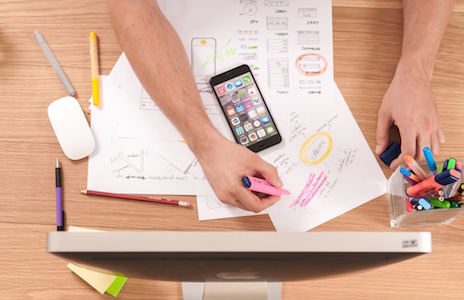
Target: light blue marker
<point>405,172</point>
<point>430,160</point>
<point>425,203</point>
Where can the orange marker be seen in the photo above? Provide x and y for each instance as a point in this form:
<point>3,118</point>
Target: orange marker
<point>412,163</point>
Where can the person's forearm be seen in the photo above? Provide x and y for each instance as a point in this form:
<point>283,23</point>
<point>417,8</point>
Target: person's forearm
<point>424,25</point>
<point>158,58</point>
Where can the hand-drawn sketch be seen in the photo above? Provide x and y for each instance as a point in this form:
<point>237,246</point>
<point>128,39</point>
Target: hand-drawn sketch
<point>311,64</point>
<point>203,56</point>
<point>321,165</point>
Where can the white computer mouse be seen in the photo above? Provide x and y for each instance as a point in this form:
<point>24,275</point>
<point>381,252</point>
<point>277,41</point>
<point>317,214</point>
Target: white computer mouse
<point>71,128</point>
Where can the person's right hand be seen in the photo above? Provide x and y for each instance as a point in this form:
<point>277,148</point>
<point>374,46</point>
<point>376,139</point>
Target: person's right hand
<point>410,105</point>
<point>225,163</point>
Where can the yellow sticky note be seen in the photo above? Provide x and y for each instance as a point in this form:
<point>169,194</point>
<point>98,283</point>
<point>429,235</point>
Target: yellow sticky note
<point>99,279</point>
<point>81,229</point>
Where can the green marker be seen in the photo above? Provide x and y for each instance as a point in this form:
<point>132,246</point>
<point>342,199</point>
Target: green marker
<point>436,203</point>
<point>454,204</point>
<point>451,163</point>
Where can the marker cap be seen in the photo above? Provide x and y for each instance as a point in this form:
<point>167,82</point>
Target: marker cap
<point>447,177</point>
<point>392,152</point>
<point>425,203</point>
<point>429,158</point>
<point>246,181</point>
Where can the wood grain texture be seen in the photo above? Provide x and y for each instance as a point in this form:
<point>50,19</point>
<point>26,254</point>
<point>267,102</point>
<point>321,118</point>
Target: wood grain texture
<point>367,40</point>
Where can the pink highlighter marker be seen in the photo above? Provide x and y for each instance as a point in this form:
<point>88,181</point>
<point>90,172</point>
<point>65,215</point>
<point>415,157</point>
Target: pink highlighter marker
<point>262,186</point>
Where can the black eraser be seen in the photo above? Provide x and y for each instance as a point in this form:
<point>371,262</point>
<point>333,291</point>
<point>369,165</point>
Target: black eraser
<point>392,152</point>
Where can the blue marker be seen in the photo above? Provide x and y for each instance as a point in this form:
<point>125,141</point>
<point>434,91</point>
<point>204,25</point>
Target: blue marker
<point>430,160</point>
<point>405,172</point>
<point>408,174</point>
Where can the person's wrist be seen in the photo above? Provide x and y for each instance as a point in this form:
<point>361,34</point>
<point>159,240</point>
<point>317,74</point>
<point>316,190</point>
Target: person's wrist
<point>201,145</point>
<point>415,69</point>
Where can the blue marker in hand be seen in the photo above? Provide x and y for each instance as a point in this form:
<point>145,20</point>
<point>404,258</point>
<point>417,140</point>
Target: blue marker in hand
<point>430,160</point>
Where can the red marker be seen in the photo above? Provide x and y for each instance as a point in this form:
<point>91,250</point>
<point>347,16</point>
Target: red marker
<point>432,184</point>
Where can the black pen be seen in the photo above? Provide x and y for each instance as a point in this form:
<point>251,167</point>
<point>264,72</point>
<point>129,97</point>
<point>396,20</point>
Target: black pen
<point>59,200</point>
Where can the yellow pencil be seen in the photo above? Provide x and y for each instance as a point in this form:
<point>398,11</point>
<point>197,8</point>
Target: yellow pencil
<point>95,73</point>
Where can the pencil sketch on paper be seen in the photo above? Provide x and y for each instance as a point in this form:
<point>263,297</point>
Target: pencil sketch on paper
<point>214,203</point>
<point>130,159</point>
<point>130,165</point>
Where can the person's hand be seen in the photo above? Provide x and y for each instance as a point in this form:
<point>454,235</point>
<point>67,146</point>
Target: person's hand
<point>225,163</point>
<point>410,105</point>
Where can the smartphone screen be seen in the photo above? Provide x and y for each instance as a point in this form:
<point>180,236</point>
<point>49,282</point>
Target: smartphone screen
<point>245,109</point>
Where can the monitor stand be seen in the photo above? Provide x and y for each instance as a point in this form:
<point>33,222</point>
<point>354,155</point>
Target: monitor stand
<point>231,290</point>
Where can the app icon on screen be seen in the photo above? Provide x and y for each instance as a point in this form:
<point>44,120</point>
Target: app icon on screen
<point>256,123</point>
<point>265,120</point>
<point>235,97</point>
<point>239,108</point>
<point>235,121</point>
<point>221,90</point>
<point>229,86</point>
<point>243,94</point>
<point>253,136</point>
<point>248,104</point>
<point>252,91</point>
<point>248,127</point>
<point>261,133</point>
<point>246,79</point>
<point>239,130</point>
<point>244,140</point>
<point>270,129</point>
<point>252,114</point>
<point>230,111</point>
<point>256,101</point>
<point>261,110</point>
<point>243,117</point>
<point>238,83</point>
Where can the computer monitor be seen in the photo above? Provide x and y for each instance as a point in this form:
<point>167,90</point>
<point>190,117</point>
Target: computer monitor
<point>229,257</point>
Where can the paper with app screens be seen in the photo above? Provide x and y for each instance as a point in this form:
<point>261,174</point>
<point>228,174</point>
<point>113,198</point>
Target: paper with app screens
<point>139,151</point>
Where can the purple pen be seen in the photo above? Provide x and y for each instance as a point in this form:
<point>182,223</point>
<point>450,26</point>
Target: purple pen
<point>59,200</point>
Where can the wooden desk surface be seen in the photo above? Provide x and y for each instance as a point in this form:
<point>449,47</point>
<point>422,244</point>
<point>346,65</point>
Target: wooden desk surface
<point>367,39</point>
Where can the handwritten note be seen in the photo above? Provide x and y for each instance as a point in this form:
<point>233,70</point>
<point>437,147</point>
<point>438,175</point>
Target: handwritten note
<point>327,171</point>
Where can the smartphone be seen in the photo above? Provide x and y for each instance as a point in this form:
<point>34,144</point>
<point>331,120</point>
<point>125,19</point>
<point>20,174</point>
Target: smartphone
<point>203,59</point>
<point>245,110</point>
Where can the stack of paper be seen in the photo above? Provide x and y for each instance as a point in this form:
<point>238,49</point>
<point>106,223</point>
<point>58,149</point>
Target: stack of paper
<point>323,160</point>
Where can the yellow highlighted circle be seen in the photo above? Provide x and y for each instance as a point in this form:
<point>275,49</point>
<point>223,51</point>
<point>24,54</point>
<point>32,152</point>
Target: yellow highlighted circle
<point>306,147</point>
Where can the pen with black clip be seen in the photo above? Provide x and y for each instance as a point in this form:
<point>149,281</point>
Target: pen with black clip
<point>59,200</point>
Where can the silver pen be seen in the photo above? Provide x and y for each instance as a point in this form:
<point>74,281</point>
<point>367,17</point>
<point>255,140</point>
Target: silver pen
<point>56,66</point>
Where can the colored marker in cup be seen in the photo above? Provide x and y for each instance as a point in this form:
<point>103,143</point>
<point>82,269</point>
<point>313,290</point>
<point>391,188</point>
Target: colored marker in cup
<point>430,161</point>
<point>412,163</point>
